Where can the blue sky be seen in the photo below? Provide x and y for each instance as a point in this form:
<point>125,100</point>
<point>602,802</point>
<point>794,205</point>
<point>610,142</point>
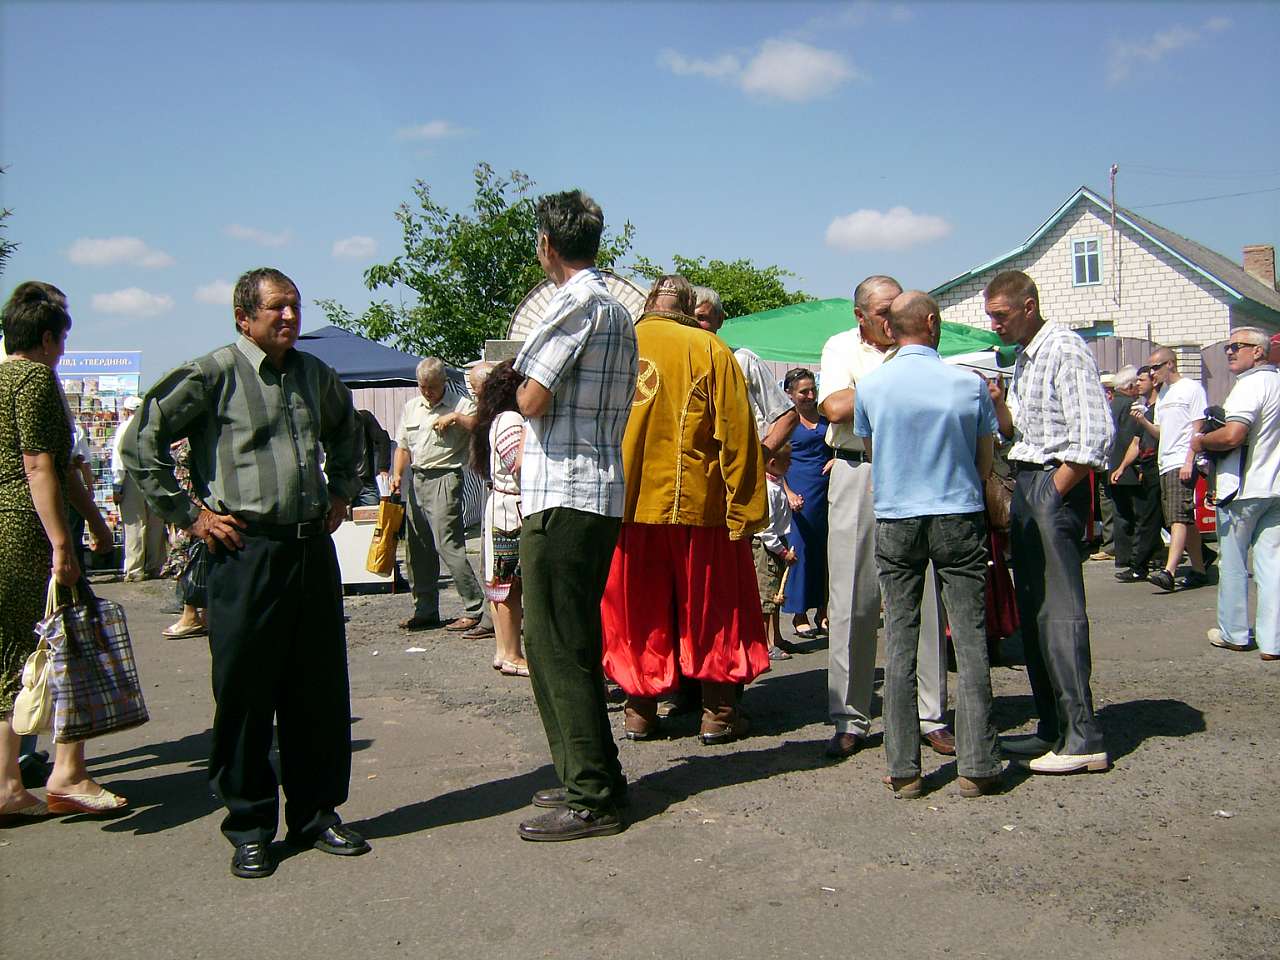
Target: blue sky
<point>157,150</point>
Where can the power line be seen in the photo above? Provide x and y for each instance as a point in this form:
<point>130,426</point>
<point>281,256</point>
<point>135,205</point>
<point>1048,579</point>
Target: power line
<point>1156,171</point>
<point>1221,196</point>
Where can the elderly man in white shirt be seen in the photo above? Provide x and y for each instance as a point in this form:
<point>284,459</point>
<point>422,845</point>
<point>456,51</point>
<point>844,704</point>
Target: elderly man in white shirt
<point>1248,495</point>
<point>853,608</point>
<point>144,531</point>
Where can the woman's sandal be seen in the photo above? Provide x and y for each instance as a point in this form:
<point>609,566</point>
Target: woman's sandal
<point>104,801</point>
<point>35,810</point>
<point>179,632</point>
<point>510,668</point>
<point>806,632</point>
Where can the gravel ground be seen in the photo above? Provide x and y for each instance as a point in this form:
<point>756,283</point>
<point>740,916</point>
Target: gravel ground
<point>757,849</point>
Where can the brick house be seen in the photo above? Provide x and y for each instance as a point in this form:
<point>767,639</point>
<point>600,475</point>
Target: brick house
<point>1127,289</point>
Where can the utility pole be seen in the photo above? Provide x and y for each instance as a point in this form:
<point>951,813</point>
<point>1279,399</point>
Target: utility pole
<point>1115,237</point>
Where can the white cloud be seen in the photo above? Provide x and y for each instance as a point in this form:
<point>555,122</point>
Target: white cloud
<point>133,302</point>
<point>355,248</point>
<point>726,65</point>
<point>1127,55</point>
<point>107,251</point>
<point>217,293</point>
<point>434,130</point>
<point>897,228</point>
<point>795,71</point>
<point>782,69</point>
<point>261,237</point>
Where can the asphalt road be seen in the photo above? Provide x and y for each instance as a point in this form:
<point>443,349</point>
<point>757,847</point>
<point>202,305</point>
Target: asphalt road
<point>757,849</point>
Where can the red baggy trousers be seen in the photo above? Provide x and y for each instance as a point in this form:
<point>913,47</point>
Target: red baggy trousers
<point>681,592</point>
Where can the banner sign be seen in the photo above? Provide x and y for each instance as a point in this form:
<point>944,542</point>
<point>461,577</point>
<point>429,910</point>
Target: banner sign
<point>96,363</point>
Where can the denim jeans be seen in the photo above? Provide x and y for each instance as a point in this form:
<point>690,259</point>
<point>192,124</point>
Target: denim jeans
<point>1243,524</point>
<point>957,545</point>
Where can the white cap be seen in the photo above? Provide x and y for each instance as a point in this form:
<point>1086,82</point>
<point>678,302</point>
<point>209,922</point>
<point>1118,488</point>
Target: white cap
<point>131,403</point>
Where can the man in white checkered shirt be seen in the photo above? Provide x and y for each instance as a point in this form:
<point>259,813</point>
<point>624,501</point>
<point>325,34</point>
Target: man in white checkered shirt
<point>1060,424</point>
<point>580,377</point>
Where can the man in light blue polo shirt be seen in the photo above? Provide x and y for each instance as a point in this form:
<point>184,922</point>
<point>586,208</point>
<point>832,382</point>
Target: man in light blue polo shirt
<point>929,430</point>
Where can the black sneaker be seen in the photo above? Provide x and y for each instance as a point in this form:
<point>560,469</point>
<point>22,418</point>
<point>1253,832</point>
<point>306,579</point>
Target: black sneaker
<point>1192,579</point>
<point>1131,575</point>
<point>1163,579</point>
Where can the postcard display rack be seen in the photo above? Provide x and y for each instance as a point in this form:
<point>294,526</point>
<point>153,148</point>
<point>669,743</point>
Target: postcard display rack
<point>97,384</point>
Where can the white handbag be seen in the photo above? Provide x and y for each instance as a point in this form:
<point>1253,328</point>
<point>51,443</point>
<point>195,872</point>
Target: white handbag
<point>33,707</point>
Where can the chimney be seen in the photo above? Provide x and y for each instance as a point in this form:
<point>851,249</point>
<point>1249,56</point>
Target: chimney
<point>1260,263</point>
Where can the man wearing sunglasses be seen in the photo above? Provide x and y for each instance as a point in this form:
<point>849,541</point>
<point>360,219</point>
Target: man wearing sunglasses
<point>1248,489</point>
<point>1179,409</point>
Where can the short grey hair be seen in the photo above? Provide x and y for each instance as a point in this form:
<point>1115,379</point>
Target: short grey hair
<point>1253,336</point>
<point>430,370</point>
<point>707,295</point>
<point>1126,377</point>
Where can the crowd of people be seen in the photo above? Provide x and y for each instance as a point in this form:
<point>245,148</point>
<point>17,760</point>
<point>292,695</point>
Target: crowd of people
<point>656,501</point>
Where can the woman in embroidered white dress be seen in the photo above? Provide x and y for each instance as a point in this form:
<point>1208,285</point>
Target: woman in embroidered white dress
<point>496,446</point>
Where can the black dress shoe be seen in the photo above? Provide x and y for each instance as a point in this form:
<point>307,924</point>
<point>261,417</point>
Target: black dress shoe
<point>341,841</point>
<point>555,797</point>
<point>252,860</point>
<point>842,745</point>
<point>1131,575</point>
<point>564,823</point>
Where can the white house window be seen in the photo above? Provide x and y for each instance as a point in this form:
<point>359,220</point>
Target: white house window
<point>1087,261</point>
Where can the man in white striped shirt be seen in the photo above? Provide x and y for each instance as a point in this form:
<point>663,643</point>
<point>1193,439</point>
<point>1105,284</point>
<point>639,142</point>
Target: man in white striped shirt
<point>1060,424</point>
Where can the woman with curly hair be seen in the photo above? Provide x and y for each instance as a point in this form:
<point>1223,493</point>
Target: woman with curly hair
<point>496,446</point>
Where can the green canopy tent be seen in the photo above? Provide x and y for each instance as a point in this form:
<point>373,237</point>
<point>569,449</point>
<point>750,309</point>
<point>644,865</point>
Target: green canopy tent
<point>795,334</point>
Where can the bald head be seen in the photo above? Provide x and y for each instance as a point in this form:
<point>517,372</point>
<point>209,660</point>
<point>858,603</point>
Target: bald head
<point>914,318</point>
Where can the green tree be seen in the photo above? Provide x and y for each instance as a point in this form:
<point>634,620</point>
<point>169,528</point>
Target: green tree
<point>6,246</point>
<point>468,271</point>
<point>744,288</point>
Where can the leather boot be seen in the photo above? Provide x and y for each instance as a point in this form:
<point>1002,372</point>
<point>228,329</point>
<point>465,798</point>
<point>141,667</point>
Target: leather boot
<point>722,720</point>
<point>640,718</point>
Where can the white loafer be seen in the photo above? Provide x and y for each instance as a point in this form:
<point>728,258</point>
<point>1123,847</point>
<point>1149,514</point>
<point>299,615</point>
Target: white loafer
<point>1069,763</point>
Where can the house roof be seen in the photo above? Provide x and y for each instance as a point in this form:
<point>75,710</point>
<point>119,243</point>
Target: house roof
<point>1221,271</point>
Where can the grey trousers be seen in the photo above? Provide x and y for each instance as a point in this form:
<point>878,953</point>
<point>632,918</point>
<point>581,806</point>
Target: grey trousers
<point>956,544</point>
<point>1046,536</point>
<point>435,533</point>
<point>853,612</point>
<point>145,540</point>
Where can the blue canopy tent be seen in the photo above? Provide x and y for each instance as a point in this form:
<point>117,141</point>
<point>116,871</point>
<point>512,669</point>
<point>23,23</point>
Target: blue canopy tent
<point>360,362</point>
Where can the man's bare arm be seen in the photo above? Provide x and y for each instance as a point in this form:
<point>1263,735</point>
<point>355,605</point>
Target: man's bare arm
<point>838,407</point>
<point>533,398</point>
<point>779,431</point>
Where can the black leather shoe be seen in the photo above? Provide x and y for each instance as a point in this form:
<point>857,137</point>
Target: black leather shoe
<point>842,745</point>
<point>252,860</point>
<point>554,797</point>
<point>550,798</point>
<point>341,841</point>
<point>563,823</point>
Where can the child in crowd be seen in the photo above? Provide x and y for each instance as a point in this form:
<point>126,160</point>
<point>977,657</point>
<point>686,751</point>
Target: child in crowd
<point>772,552</point>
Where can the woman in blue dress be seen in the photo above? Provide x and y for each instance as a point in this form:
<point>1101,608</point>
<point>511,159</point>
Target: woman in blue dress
<point>806,482</point>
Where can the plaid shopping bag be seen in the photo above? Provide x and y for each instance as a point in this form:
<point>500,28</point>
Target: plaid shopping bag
<point>94,679</point>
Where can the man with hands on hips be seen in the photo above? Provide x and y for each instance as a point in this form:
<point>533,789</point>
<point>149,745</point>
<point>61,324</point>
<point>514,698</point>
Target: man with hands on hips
<point>258,415</point>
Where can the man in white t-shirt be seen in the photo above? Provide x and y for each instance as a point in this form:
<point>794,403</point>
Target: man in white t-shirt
<point>1179,415</point>
<point>1248,491</point>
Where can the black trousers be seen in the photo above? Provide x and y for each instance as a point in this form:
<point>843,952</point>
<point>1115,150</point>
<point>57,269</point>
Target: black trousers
<point>279,653</point>
<point>1138,521</point>
<point>1046,533</point>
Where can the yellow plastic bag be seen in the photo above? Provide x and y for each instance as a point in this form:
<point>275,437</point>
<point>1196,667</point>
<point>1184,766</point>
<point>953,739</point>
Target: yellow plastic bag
<point>382,551</point>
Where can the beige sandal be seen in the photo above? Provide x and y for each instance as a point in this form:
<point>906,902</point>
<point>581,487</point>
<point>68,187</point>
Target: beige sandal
<point>101,802</point>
